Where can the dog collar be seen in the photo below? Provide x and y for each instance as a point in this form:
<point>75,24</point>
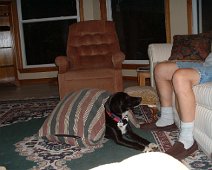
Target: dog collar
<point>114,117</point>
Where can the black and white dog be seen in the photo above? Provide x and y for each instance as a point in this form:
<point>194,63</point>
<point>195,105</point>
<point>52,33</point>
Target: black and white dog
<point>117,126</point>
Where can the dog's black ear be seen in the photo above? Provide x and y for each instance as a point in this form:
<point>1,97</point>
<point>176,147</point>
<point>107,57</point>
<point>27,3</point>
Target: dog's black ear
<point>114,104</point>
<point>107,104</point>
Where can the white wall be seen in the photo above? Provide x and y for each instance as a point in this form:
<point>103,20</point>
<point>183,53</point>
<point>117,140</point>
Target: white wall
<point>88,9</point>
<point>96,10</point>
<point>178,17</point>
<point>91,9</point>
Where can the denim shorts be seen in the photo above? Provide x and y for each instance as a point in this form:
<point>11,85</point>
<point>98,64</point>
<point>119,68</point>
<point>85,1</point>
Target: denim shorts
<point>204,71</point>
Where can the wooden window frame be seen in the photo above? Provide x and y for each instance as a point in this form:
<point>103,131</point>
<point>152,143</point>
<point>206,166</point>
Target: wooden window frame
<point>19,50</point>
<point>189,16</point>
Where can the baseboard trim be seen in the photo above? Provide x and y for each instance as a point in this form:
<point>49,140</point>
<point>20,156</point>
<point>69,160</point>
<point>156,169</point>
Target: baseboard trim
<point>38,69</point>
<point>54,80</point>
<point>129,78</point>
<point>48,69</point>
<point>38,81</point>
<point>133,66</point>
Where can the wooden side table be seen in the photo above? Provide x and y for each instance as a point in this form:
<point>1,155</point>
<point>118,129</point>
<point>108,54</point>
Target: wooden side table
<point>142,76</point>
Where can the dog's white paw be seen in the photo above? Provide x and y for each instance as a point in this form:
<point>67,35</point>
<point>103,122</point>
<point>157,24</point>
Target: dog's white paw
<point>151,148</point>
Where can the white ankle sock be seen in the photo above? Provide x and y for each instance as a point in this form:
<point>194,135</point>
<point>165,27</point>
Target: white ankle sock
<point>167,117</point>
<point>186,134</point>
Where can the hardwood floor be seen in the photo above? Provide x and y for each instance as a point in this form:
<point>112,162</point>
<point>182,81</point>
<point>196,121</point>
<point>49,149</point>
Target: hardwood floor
<point>9,91</point>
<point>28,91</point>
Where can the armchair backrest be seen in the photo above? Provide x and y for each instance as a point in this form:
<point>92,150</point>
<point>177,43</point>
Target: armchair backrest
<point>91,44</point>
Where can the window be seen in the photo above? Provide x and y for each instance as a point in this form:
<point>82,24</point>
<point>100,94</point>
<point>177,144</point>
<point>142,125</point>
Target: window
<point>44,29</point>
<point>138,23</point>
<point>202,14</point>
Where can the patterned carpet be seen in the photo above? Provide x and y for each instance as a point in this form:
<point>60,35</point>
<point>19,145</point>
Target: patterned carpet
<point>198,160</point>
<point>24,117</point>
<point>14,111</point>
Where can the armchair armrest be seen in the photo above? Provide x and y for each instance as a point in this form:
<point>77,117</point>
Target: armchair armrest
<point>158,53</point>
<point>62,63</point>
<point>117,59</point>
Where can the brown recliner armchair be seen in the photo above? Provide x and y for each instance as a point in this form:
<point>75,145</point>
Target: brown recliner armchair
<point>93,60</point>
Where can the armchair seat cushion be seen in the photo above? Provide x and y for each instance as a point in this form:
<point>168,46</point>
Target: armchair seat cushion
<point>89,74</point>
<point>84,61</point>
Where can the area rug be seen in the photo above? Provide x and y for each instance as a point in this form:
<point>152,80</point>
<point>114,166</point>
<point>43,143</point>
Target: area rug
<point>14,111</point>
<point>22,149</point>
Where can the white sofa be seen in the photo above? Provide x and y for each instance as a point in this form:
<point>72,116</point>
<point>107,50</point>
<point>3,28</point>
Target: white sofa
<point>203,93</point>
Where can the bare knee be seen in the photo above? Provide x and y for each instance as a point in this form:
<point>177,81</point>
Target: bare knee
<point>181,80</point>
<point>164,70</point>
<point>159,69</point>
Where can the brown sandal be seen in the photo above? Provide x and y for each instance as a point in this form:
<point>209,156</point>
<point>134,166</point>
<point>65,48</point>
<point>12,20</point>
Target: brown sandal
<point>179,152</point>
